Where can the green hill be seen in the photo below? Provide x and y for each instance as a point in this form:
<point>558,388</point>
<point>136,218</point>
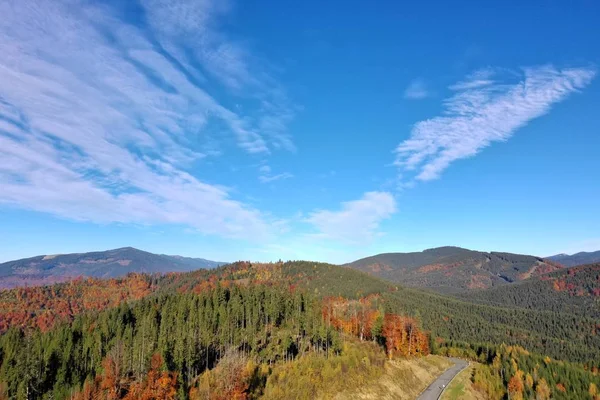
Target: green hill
<point>560,335</point>
<point>454,269</point>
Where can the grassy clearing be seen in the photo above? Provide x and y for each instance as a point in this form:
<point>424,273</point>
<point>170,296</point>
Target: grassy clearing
<point>402,379</point>
<point>316,377</point>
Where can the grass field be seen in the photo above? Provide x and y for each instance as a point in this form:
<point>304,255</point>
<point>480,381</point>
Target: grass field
<point>403,379</point>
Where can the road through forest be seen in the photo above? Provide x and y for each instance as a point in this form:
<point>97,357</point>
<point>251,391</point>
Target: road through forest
<point>434,390</point>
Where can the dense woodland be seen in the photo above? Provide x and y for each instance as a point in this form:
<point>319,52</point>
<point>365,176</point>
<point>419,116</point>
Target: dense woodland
<point>239,329</point>
<point>163,344</point>
<point>575,291</point>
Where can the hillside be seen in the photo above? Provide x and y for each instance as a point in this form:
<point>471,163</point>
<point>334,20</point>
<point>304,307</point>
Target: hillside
<point>453,269</point>
<point>228,340</point>
<point>291,318</point>
<point>575,291</point>
<point>261,330</point>
<point>48,269</point>
<point>445,316</point>
<point>580,258</point>
<point>545,332</point>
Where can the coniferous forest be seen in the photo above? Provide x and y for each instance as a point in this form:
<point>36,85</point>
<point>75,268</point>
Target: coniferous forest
<point>226,333</point>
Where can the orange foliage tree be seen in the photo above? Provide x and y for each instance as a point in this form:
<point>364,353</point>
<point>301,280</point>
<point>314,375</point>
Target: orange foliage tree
<point>111,385</point>
<point>403,335</point>
<point>157,385</point>
<point>45,306</point>
<point>516,386</point>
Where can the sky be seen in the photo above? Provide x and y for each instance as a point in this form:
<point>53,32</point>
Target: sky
<point>313,130</point>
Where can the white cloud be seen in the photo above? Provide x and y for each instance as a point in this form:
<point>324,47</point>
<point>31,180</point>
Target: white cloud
<point>100,119</point>
<point>265,169</point>
<point>477,79</point>
<point>416,90</point>
<point>357,221</point>
<point>482,112</point>
<point>271,178</point>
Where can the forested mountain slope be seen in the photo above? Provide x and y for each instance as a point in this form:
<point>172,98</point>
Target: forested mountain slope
<point>575,290</point>
<point>224,340</point>
<point>546,332</point>
<point>49,269</point>
<point>576,259</point>
<point>454,269</point>
<point>333,299</point>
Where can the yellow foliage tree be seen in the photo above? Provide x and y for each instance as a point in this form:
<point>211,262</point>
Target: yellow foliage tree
<point>542,390</point>
<point>529,381</point>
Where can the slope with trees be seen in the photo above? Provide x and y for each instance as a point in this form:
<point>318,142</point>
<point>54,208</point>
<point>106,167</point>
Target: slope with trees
<point>512,372</point>
<point>160,346</point>
<point>454,269</point>
<point>194,320</point>
<point>575,291</point>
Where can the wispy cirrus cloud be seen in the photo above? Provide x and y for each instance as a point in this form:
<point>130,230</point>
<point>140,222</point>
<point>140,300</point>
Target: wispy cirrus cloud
<point>416,90</point>
<point>482,112</point>
<point>266,178</point>
<point>477,79</point>
<point>100,118</point>
<point>356,221</point>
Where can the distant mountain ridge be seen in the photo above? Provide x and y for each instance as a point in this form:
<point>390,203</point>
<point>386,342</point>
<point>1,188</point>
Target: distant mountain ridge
<point>581,258</point>
<point>454,269</point>
<point>47,269</point>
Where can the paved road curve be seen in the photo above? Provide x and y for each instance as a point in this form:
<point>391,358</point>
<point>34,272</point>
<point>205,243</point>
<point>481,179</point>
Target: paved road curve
<point>434,390</point>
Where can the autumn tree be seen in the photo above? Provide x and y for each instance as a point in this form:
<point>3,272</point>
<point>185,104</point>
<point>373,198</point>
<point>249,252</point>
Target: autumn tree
<point>158,385</point>
<point>593,391</point>
<point>542,390</point>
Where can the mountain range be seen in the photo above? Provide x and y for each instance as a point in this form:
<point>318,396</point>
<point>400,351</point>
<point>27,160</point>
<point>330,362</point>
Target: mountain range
<point>576,259</point>
<point>299,314</point>
<point>443,269</point>
<point>454,269</point>
<point>47,269</point>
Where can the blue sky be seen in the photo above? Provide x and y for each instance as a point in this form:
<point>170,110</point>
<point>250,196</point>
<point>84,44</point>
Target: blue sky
<point>298,130</point>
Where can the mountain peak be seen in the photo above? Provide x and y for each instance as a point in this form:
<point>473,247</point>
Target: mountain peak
<point>454,269</point>
<point>42,270</point>
<point>581,258</point>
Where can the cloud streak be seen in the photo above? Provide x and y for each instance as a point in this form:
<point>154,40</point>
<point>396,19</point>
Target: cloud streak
<point>417,90</point>
<point>481,112</point>
<point>357,221</point>
<point>100,119</point>
<point>270,178</point>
